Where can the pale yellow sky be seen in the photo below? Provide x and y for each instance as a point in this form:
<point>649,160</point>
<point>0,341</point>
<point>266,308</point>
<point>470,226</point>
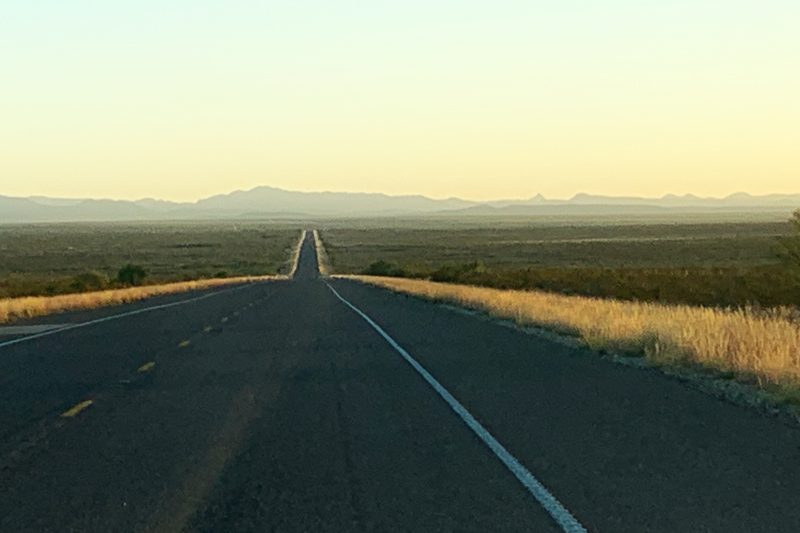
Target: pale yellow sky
<point>452,98</point>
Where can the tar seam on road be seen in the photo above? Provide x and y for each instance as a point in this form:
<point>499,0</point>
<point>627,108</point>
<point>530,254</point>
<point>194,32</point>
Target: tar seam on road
<point>121,315</point>
<point>554,508</point>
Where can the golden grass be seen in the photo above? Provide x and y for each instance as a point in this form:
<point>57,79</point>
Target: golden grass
<point>294,258</point>
<point>30,306</point>
<point>750,344</point>
<point>322,256</point>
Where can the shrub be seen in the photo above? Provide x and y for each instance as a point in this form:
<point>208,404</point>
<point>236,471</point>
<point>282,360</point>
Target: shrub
<point>790,246</point>
<point>131,275</point>
<point>383,268</point>
<point>89,281</point>
<point>452,273</point>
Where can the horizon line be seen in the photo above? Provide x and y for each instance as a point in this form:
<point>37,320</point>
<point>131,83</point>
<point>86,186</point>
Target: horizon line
<point>419,195</point>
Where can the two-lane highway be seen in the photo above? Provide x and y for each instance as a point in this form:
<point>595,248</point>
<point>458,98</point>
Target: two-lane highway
<point>312,405</point>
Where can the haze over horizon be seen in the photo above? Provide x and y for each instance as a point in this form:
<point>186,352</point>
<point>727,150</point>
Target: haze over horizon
<point>274,202</point>
<point>575,195</point>
<point>468,99</point>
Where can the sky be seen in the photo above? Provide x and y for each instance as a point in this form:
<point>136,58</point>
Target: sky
<point>477,99</point>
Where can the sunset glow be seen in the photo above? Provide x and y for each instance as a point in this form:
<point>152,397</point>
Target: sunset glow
<point>450,98</point>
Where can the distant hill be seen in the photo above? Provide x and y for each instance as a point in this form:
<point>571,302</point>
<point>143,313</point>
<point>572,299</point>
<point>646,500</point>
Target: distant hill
<point>280,203</point>
<point>270,200</point>
<point>740,199</point>
<point>57,210</point>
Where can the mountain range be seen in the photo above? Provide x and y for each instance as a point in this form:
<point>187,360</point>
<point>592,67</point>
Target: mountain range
<point>272,202</point>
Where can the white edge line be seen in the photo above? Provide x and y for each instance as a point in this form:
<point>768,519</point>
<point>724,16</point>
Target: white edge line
<point>120,315</point>
<point>550,503</point>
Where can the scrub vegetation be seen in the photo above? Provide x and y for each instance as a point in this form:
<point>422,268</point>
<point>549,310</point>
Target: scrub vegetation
<point>790,246</point>
<point>56,259</point>
<point>714,264</point>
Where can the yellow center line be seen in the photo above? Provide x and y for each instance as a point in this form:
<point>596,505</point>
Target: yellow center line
<point>147,367</point>
<point>184,344</point>
<point>72,411</point>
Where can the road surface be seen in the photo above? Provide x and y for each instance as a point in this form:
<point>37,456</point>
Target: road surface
<point>279,406</point>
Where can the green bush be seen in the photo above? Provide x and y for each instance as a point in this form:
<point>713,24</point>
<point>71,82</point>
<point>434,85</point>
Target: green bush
<point>383,268</point>
<point>89,281</point>
<point>790,246</point>
<point>451,273</point>
<point>131,275</point>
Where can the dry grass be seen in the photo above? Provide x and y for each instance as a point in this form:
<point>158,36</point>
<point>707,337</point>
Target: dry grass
<point>752,345</point>
<point>30,306</point>
<point>294,259</point>
<point>322,256</point>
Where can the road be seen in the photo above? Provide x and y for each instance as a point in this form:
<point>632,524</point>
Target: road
<point>278,406</point>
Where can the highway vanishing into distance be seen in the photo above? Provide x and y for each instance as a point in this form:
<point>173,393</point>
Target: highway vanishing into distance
<point>318,404</point>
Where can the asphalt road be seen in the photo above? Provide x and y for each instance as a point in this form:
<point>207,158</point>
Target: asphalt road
<point>277,407</point>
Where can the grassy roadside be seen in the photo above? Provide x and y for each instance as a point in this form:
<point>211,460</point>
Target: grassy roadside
<point>753,347</point>
<point>31,306</point>
<point>323,262</point>
<point>56,259</point>
<point>294,258</point>
<point>762,285</point>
